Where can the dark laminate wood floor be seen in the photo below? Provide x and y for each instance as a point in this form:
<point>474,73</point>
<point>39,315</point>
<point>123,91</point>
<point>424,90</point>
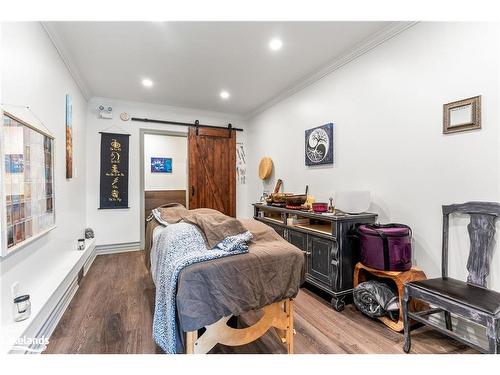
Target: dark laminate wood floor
<point>113,308</point>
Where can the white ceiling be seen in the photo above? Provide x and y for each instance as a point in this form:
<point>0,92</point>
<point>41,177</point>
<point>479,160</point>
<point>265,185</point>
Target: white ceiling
<point>191,62</point>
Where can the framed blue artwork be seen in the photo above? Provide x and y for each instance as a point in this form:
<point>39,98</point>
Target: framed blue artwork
<point>161,165</point>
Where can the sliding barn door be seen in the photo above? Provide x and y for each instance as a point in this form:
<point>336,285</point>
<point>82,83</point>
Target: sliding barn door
<point>212,169</point>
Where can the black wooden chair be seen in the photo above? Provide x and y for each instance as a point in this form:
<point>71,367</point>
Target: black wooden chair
<point>469,300</point>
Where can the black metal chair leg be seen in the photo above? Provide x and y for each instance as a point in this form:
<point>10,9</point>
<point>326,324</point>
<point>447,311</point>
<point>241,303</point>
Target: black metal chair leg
<point>447,319</point>
<point>406,322</point>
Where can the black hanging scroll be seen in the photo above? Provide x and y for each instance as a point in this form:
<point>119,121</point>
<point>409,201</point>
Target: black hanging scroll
<point>114,171</point>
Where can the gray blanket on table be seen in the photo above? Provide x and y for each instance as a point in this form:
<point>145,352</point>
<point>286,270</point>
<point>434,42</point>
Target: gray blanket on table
<point>176,247</point>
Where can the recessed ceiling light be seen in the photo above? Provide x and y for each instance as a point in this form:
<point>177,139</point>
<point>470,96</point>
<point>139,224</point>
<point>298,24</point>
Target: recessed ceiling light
<point>146,82</point>
<point>224,94</point>
<point>275,44</point>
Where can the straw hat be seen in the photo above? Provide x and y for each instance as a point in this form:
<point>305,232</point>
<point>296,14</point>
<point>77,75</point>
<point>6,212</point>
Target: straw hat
<point>265,168</point>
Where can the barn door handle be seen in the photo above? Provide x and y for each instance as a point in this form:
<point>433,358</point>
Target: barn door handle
<point>192,191</point>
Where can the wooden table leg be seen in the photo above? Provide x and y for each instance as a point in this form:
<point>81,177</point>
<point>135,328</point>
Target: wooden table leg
<point>191,338</point>
<point>289,328</point>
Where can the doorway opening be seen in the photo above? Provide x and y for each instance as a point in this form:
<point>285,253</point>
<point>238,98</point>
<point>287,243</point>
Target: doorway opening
<point>164,171</point>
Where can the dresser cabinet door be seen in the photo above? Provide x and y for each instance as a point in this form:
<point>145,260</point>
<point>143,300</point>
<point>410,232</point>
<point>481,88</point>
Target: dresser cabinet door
<point>298,239</point>
<point>279,229</point>
<point>319,252</point>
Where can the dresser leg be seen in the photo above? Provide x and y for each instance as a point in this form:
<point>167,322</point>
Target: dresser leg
<point>338,303</point>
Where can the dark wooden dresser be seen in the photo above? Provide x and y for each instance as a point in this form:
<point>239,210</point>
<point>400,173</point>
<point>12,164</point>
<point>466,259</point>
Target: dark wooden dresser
<point>330,251</point>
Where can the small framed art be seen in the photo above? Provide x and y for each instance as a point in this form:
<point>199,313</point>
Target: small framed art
<point>462,115</point>
<point>161,165</point>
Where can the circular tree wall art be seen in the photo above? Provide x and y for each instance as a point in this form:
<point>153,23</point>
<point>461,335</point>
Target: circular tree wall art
<point>319,145</point>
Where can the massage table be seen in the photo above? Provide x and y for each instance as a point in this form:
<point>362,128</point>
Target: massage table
<point>209,293</point>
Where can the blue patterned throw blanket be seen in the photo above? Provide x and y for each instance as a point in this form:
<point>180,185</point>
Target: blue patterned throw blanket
<point>174,248</point>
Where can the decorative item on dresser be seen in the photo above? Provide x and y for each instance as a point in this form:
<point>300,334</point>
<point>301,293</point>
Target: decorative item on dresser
<point>325,239</point>
<point>471,300</point>
<point>276,198</point>
<point>296,201</point>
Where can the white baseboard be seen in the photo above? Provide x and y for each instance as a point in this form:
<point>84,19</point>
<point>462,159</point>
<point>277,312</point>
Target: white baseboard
<point>89,262</point>
<point>117,248</point>
<point>55,316</point>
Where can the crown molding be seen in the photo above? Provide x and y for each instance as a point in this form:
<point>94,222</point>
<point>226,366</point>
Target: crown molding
<point>360,49</point>
<point>167,108</point>
<point>66,58</point>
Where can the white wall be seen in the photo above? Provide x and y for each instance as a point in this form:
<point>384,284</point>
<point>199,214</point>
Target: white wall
<point>34,75</point>
<point>165,146</point>
<point>387,110</point>
<point>123,226</point>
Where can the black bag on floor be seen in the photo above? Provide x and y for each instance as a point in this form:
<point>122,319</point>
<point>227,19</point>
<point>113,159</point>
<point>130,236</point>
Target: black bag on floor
<point>376,299</point>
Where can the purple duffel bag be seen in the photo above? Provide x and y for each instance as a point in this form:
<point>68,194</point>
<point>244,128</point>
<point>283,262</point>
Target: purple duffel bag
<point>385,247</point>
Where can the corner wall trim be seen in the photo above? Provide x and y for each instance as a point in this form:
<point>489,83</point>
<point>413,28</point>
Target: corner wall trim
<point>67,60</point>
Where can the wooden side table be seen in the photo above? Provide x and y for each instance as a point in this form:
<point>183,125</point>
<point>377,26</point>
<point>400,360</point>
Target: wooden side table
<point>362,273</point>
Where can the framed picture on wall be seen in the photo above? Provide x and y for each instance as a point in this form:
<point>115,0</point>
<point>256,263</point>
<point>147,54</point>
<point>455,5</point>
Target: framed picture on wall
<point>319,145</point>
<point>161,165</point>
<point>69,137</point>
<point>462,115</point>
<point>27,209</point>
